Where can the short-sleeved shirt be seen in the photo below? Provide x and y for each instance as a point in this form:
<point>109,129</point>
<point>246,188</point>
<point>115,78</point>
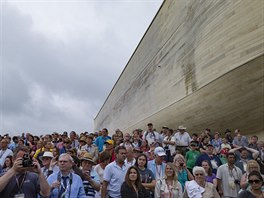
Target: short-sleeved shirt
<point>115,176</point>
<point>146,176</point>
<point>30,186</point>
<point>99,142</point>
<point>182,139</point>
<point>74,186</point>
<point>151,137</point>
<point>227,178</point>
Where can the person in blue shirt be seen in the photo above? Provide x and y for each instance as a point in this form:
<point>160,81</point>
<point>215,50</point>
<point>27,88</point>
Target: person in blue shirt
<point>157,166</point>
<point>99,141</point>
<point>65,183</point>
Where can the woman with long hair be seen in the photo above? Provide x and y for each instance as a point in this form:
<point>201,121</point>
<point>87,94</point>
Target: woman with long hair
<point>183,173</point>
<point>146,175</point>
<point>132,186</point>
<point>209,176</point>
<point>199,187</point>
<point>169,186</point>
<point>7,165</point>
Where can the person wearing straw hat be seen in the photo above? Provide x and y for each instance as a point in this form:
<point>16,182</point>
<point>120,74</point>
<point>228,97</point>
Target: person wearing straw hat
<point>183,139</point>
<point>91,180</point>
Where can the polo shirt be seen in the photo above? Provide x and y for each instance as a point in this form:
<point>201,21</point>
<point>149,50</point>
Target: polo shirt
<point>115,176</point>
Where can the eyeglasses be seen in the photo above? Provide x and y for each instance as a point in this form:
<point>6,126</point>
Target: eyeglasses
<point>199,174</point>
<point>256,181</point>
<point>63,161</point>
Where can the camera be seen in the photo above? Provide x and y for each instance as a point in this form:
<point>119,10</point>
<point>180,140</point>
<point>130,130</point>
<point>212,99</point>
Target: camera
<point>27,161</point>
<point>237,181</point>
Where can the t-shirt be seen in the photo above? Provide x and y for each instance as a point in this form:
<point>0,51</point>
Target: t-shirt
<point>191,157</point>
<point>146,176</point>
<point>30,186</point>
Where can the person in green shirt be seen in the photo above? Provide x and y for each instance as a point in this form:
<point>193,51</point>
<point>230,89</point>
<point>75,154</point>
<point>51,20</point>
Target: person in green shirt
<point>192,155</point>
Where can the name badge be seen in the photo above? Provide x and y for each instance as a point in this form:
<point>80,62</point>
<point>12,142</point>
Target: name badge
<point>22,195</point>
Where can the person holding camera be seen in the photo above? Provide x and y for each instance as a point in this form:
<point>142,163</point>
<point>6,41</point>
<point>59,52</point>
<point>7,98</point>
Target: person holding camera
<point>91,181</point>
<point>25,179</point>
<point>228,178</point>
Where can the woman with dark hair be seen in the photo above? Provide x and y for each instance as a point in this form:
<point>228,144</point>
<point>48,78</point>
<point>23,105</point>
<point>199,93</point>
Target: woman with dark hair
<point>146,175</point>
<point>7,165</point>
<point>255,181</point>
<point>209,176</point>
<point>132,186</point>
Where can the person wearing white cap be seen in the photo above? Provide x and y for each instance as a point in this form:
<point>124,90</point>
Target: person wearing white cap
<point>49,164</point>
<point>157,166</point>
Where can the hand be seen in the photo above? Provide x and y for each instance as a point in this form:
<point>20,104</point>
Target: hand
<point>36,167</point>
<point>17,166</point>
<point>87,176</point>
<point>55,184</point>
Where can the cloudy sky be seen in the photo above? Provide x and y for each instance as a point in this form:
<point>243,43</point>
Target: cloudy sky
<point>60,59</point>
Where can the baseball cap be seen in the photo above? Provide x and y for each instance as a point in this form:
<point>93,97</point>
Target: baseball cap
<point>159,151</point>
<point>109,142</point>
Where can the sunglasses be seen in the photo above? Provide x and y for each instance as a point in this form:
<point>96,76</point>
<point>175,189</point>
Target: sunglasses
<point>254,181</point>
<point>199,174</point>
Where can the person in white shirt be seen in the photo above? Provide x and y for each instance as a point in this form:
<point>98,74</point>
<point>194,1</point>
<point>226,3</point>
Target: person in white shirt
<point>4,152</point>
<point>130,157</point>
<point>150,135</point>
<point>182,139</point>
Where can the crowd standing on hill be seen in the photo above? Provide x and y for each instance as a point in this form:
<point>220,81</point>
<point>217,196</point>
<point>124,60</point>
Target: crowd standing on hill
<point>168,164</point>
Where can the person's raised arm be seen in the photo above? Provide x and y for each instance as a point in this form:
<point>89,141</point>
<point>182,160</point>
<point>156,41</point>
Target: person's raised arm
<point>104,189</point>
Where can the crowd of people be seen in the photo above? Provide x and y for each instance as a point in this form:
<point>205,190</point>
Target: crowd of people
<point>145,163</point>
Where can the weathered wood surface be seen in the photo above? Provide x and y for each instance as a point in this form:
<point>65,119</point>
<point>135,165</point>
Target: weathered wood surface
<point>194,48</point>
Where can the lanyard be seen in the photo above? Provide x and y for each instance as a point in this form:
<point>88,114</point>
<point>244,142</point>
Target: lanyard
<point>20,183</point>
<point>68,186</point>
<point>159,171</point>
<point>231,172</point>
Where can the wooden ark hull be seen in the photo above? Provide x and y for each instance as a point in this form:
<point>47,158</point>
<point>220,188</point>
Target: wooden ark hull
<point>199,64</point>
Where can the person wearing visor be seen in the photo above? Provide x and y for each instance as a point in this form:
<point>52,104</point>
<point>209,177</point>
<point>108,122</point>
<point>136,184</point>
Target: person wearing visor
<point>157,166</point>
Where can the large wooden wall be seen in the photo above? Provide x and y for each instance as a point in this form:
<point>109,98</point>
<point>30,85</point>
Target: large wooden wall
<point>200,64</point>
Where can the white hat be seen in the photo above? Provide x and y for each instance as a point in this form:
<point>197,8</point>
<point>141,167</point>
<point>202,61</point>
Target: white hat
<point>46,154</point>
<point>182,127</point>
<point>159,151</point>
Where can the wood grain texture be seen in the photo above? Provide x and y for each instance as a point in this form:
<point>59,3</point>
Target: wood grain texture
<point>194,48</point>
